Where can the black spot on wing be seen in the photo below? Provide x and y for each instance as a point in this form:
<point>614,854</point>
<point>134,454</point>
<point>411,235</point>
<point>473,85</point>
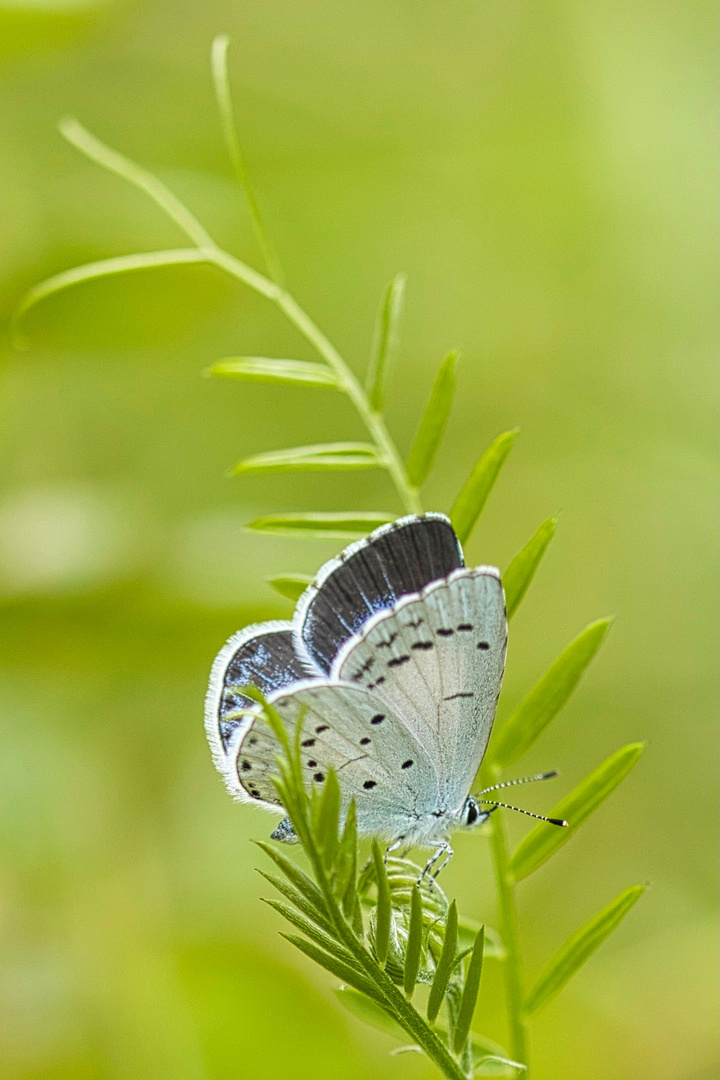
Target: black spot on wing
<point>399,561</point>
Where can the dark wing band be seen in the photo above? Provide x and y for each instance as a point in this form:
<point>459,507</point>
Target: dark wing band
<point>370,576</point>
<point>263,655</point>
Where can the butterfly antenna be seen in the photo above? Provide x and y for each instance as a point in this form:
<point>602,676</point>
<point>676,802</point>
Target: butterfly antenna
<point>521,780</point>
<point>540,817</point>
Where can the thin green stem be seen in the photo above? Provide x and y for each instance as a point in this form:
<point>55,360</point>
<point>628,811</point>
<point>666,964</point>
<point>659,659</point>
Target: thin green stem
<point>168,202</point>
<point>221,81</point>
<point>122,166</point>
<point>509,930</point>
<point>405,1013</point>
<point>373,421</point>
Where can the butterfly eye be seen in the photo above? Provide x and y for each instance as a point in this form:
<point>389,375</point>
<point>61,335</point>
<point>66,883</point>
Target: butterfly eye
<point>471,812</point>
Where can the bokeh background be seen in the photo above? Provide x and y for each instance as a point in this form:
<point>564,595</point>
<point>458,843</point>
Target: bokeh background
<point>544,172</point>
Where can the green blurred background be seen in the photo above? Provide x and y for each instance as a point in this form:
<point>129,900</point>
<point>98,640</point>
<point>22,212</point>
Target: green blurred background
<point>544,172</point>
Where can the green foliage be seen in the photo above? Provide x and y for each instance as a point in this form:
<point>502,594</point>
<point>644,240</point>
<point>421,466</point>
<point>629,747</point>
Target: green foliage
<point>385,342</point>
<point>410,935</point>
<point>265,370</point>
<point>521,571</point>
<point>535,711</point>
<point>433,423</point>
<point>291,586</point>
<point>386,931</point>
<point>470,992</point>
<point>578,948</point>
<point>315,458</point>
<point>544,840</point>
<point>473,496</point>
<point>413,949</point>
<point>340,526</point>
<point>445,964</point>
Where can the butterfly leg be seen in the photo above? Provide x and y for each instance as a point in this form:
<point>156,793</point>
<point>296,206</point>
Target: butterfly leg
<point>442,851</point>
<point>395,846</point>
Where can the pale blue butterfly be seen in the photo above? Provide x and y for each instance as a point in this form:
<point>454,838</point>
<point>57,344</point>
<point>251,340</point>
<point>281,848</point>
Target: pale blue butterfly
<point>393,663</point>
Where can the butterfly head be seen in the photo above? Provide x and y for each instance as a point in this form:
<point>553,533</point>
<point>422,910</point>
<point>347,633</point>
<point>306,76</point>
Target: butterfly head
<point>471,814</point>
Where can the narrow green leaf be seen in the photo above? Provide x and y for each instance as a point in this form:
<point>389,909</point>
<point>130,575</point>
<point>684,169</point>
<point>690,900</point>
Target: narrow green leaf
<point>497,1065</point>
<point>432,425</point>
<point>322,525</point>
<point>314,932</point>
<point>471,989</point>
<point>580,947</point>
<point>357,918</point>
<point>346,870</point>
<point>367,1010</point>
<point>265,369</point>
<point>124,167</point>
<point>385,341</point>
<point>535,711</point>
<point>444,966</point>
<point>290,585</point>
<point>467,932</point>
<point>269,715</point>
<point>122,264</point>
<point>317,458</point>
<point>382,910</point>
<point>291,893</point>
<point>413,949</point>
<point>327,820</point>
<point>521,570</point>
<point>544,840</point>
<point>341,971</point>
<point>296,876</point>
<point>471,500</point>
<point>219,68</point>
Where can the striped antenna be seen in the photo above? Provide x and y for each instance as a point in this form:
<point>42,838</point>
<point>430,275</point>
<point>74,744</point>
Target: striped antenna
<point>550,820</point>
<point>521,780</point>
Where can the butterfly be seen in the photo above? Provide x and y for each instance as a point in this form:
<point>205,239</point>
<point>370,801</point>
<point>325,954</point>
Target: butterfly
<point>393,665</point>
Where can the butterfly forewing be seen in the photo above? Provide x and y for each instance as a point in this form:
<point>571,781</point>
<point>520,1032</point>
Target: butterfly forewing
<point>437,660</point>
<point>372,576</point>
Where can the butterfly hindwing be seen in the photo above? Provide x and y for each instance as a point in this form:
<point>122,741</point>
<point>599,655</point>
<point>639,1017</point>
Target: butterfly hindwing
<point>437,660</point>
<point>378,761</point>
<point>263,655</point>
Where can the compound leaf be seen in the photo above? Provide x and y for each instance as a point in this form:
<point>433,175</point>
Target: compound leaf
<point>580,947</point>
<point>535,711</point>
<point>544,840</point>
<point>521,570</point>
<point>432,425</point>
<point>473,496</point>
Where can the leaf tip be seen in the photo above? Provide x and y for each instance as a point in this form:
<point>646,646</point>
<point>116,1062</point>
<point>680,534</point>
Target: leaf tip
<point>68,126</point>
<point>220,43</point>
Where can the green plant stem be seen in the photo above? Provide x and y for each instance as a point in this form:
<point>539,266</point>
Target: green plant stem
<point>212,253</point>
<point>312,333</point>
<point>405,1013</point>
<point>509,931</point>
<point>372,420</point>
